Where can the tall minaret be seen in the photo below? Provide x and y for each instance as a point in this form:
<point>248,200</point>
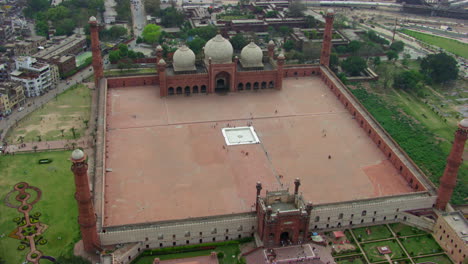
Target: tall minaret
<point>86,215</point>
<point>96,49</point>
<point>454,160</point>
<point>327,38</point>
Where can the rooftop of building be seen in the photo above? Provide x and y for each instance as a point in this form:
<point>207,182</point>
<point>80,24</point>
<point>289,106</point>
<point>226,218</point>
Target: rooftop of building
<point>59,48</point>
<point>181,168</point>
<point>459,224</point>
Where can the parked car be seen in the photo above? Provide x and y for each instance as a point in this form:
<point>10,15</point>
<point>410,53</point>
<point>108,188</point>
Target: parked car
<point>20,109</point>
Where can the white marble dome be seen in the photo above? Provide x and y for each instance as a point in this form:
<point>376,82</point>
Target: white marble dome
<point>219,50</point>
<point>251,56</point>
<point>184,59</point>
<point>77,154</point>
<point>92,19</point>
<point>463,123</point>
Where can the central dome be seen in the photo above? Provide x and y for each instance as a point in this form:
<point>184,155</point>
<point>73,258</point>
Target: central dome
<point>219,50</point>
<point>184,59</point>
<point>251,56</point>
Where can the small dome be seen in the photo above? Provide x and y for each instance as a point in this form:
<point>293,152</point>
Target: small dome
<point>219,50</point>
<point>281,56</point>
<point>162,62</point>
<point>184,59</point>
<point>330,11</point>
<point>251,56</point>
<point>271,43</point>
<point>463,123</point>
<point>92,19</point>
<point>159,48</point>
<point>77,154</point>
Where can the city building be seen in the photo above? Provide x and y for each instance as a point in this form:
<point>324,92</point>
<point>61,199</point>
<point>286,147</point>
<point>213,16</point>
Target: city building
<point>64,63</point>
<point>4,75</point>
<point>71,45</point>
<point>36,76</point>
<point>11,96</point>
<point>451,232</point>
<point>29,46</point>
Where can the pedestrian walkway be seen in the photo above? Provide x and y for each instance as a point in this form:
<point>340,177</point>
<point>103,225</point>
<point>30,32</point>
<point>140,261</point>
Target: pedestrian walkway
<point>48,145</point>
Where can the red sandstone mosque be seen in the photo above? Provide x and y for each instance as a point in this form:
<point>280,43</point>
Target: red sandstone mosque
<point>165,175</point>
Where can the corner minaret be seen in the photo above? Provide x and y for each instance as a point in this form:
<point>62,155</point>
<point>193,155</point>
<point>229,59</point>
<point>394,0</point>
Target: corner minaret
<point>161,66</point>
<point>327,38</point>
<point>96,50</point>
<point>454,160</point>
<point>86,215</point>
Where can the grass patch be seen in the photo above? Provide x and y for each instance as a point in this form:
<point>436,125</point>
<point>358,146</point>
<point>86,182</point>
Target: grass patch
<point>227,250</point>
<point>418,141</point>
<point>450,45</point>
<point>405,230</point>
<point>376,233</point>
<point>373,254</point>
<point>420,245</point>
<point>441,259</point>
<point>57,205</point>
<point>351,260</point>
<point>113,73</point>
<point>80,59</point>
<point>67,110</point>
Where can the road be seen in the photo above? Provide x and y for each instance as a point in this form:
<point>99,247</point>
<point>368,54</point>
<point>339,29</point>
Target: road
<point>33,103</point>
<point>138,16</point>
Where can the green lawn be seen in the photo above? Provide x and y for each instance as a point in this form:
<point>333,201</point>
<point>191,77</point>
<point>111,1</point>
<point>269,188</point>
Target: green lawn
<point>404,230</point>
<point>81,58</point>
<point>356,260</point>
<point>57,204</point>
<point>373,254</point>
<point>228,250</point>
<point>421,245</point>
<point>377,232</point>
<point>70,109</point>
<point>231,17</point>
<point>441,259</point>
<point>113,73</point>
<point>450,45</point>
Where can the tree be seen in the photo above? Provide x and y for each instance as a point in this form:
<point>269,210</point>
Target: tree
<point>57,13</point>
<point>296,9</point>
<point>310,21</point>
<point>35,148</point>
<point>354,46</point>
<point>407,80</point>
<point>376,61</point>
<point>114,56</point>
<point>285,30</point>
<point>386,73</point>
<point>392,55</point>
<point>334,61</point>
<point>440,68</point>
<point>288,45</point>
<point>61,131</point>
<point>123,50</point>
<point>116,32</point>
<point>151,33</point>
<point>35,6</point>
<point>354,65</point>
<point>271,14</point>
<point>196,45</point>
<point>152,7</point>
<point>86,122</point>
<point>398,46</point>
<point>205,33</point>
<point>238,41</point>
<point>71,260</point>
<point>171,17</point>
<point>64,27</point>
<point>139,40</point>
<point>42,28</point>
<point>73,130</point>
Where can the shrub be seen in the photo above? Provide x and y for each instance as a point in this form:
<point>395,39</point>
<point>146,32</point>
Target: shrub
<point>17,219</point>
<point>21,247</point>
<point>37,214</point>
<point>42,241</point>
<point>34,255</point>
<point>21,186</point>
<point>220,255</point>
<point>25,207</point>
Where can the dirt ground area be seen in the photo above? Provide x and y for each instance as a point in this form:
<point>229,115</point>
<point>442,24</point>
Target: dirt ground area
<point>195,260</point>
<point>167,157</point>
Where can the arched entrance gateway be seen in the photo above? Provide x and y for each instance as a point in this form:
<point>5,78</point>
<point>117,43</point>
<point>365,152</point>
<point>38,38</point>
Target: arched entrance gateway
<point>283,217</point>
<point>222,80</point>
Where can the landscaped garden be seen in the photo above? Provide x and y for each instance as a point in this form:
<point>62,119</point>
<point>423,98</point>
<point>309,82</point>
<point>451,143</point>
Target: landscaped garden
<point>351,260</point>
<point>450,45</point>
<point>228,252</point>
<point>440,259</point>
<point>373,254</point>
<point>404,230</point>
<point>65,117</point>
<point>372,233</point>
<point>421,245</point>
<point>56,208</point>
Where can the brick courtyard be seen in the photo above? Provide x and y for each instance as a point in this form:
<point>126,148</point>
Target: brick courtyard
<point>168,158</point>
